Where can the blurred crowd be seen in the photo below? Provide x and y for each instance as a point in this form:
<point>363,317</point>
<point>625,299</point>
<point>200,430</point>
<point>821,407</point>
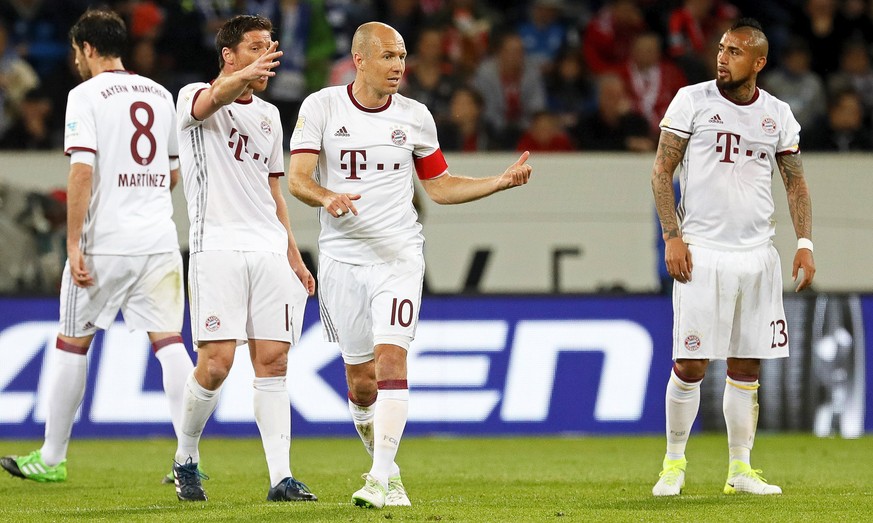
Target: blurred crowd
<point>539,75</point>
<point>543,75</point>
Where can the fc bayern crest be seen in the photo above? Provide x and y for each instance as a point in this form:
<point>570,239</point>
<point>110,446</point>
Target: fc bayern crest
<point>265,126</point>
<point>398,137</point>
<point>768,125</point>
<point>212,323</point>
<point>692,342</point>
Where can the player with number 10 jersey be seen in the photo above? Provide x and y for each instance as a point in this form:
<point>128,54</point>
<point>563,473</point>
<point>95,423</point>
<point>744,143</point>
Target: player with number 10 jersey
<point>377,148</point>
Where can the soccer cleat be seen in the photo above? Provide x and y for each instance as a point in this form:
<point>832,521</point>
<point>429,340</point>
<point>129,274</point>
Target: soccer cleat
<point>371,495</point>
<point>396,495</point>
<point>742,478</point>
<point>289,489</point>
<point>32,467</point>
<point>170,480</point>
<point>672,478</point>
<point>187,479</point>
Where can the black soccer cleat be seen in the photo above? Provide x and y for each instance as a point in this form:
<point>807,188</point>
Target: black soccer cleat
<point>289,489</point>
<point>187,478</point>
<point>11,466</point>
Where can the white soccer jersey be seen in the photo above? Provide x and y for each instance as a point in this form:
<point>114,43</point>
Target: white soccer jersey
<point>227,161</point>
<point>726,174</point>
<point>371,152</point>
<point>128,121</point>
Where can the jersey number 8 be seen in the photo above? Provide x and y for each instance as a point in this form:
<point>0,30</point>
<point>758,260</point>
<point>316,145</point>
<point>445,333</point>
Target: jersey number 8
<point>142,130</point>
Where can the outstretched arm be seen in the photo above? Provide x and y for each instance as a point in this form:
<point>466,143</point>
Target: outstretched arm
<point>228,87</point>
<point>671,150</point>
<point>800,209</point>
<point>448,189</point>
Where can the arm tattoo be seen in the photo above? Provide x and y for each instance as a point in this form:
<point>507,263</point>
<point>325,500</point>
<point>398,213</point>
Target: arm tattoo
<point>671,150</point>
<point>799,203</point>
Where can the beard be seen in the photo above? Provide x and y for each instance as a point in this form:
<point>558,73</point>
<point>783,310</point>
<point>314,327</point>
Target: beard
<point>731,84</point>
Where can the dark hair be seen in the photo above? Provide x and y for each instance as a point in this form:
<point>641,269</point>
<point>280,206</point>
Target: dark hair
<point>104,30</point>
<point>747,22</point>
<point>232,32</point>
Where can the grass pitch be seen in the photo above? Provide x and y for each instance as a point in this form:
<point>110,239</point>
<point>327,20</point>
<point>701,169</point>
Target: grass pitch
<point>455,479</point>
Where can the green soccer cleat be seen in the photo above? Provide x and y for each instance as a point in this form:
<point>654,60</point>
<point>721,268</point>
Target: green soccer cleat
<point>396,495</point>
<point>371,495</point>
<point>743,479</point>
<point>32,467</point>
<point>672,478</point>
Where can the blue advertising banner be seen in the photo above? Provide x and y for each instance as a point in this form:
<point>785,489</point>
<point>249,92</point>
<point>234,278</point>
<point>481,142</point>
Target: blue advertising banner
<point>867,310</point>
<point>479,365</point>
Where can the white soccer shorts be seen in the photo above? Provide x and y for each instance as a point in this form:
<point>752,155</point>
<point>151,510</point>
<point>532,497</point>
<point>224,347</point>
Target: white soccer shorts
<point>367,305</point>
<point>147,289</point>
<point>242,295</point>
<point>732,307</point>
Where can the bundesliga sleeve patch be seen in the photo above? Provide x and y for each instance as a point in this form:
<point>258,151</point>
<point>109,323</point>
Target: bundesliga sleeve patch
<point>72,129</point>
<point>298,128</point>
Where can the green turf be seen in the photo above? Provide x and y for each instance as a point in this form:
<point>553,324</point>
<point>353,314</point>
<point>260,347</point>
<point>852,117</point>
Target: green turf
<point>477,480</point>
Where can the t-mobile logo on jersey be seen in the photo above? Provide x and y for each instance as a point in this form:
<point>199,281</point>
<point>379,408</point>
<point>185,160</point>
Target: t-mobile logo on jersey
<point>729,144</point>
<point>238,143</point>
<point>357,162</point>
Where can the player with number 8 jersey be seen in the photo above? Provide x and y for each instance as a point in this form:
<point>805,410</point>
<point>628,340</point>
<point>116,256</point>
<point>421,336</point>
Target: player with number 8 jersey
<point>133,213</point>
<point>122,250</point>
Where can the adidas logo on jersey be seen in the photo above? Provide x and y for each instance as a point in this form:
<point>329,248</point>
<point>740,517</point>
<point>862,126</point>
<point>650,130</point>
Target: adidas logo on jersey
<point>342,132</point>
<point>716,119</point>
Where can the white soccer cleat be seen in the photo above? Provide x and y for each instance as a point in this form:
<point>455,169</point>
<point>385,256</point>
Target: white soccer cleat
<point>371,495</point>
<point>396,496</point>
<point>672,478</point>
<point>743,479</point>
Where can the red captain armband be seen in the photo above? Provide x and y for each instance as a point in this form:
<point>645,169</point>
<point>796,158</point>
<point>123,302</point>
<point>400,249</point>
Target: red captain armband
<point>431,166</point>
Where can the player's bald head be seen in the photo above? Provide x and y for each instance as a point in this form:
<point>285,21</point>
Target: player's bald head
<point>751,30</point>
<point>372,33</point>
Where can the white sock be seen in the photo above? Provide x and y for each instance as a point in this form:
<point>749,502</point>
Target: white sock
<point>741,417</point>
<point>683,401</point>
<point>363,419</point>
<point>66,388</point>
<point>392,410</point>
<point>273,414</point>
<point>176,365</point>
<point>197,405</point>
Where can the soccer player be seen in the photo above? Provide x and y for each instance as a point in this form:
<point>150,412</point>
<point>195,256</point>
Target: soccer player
<point>363,142</point>
<point>728,135</point>
<point>122,249</point>
<point>247,279</point>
